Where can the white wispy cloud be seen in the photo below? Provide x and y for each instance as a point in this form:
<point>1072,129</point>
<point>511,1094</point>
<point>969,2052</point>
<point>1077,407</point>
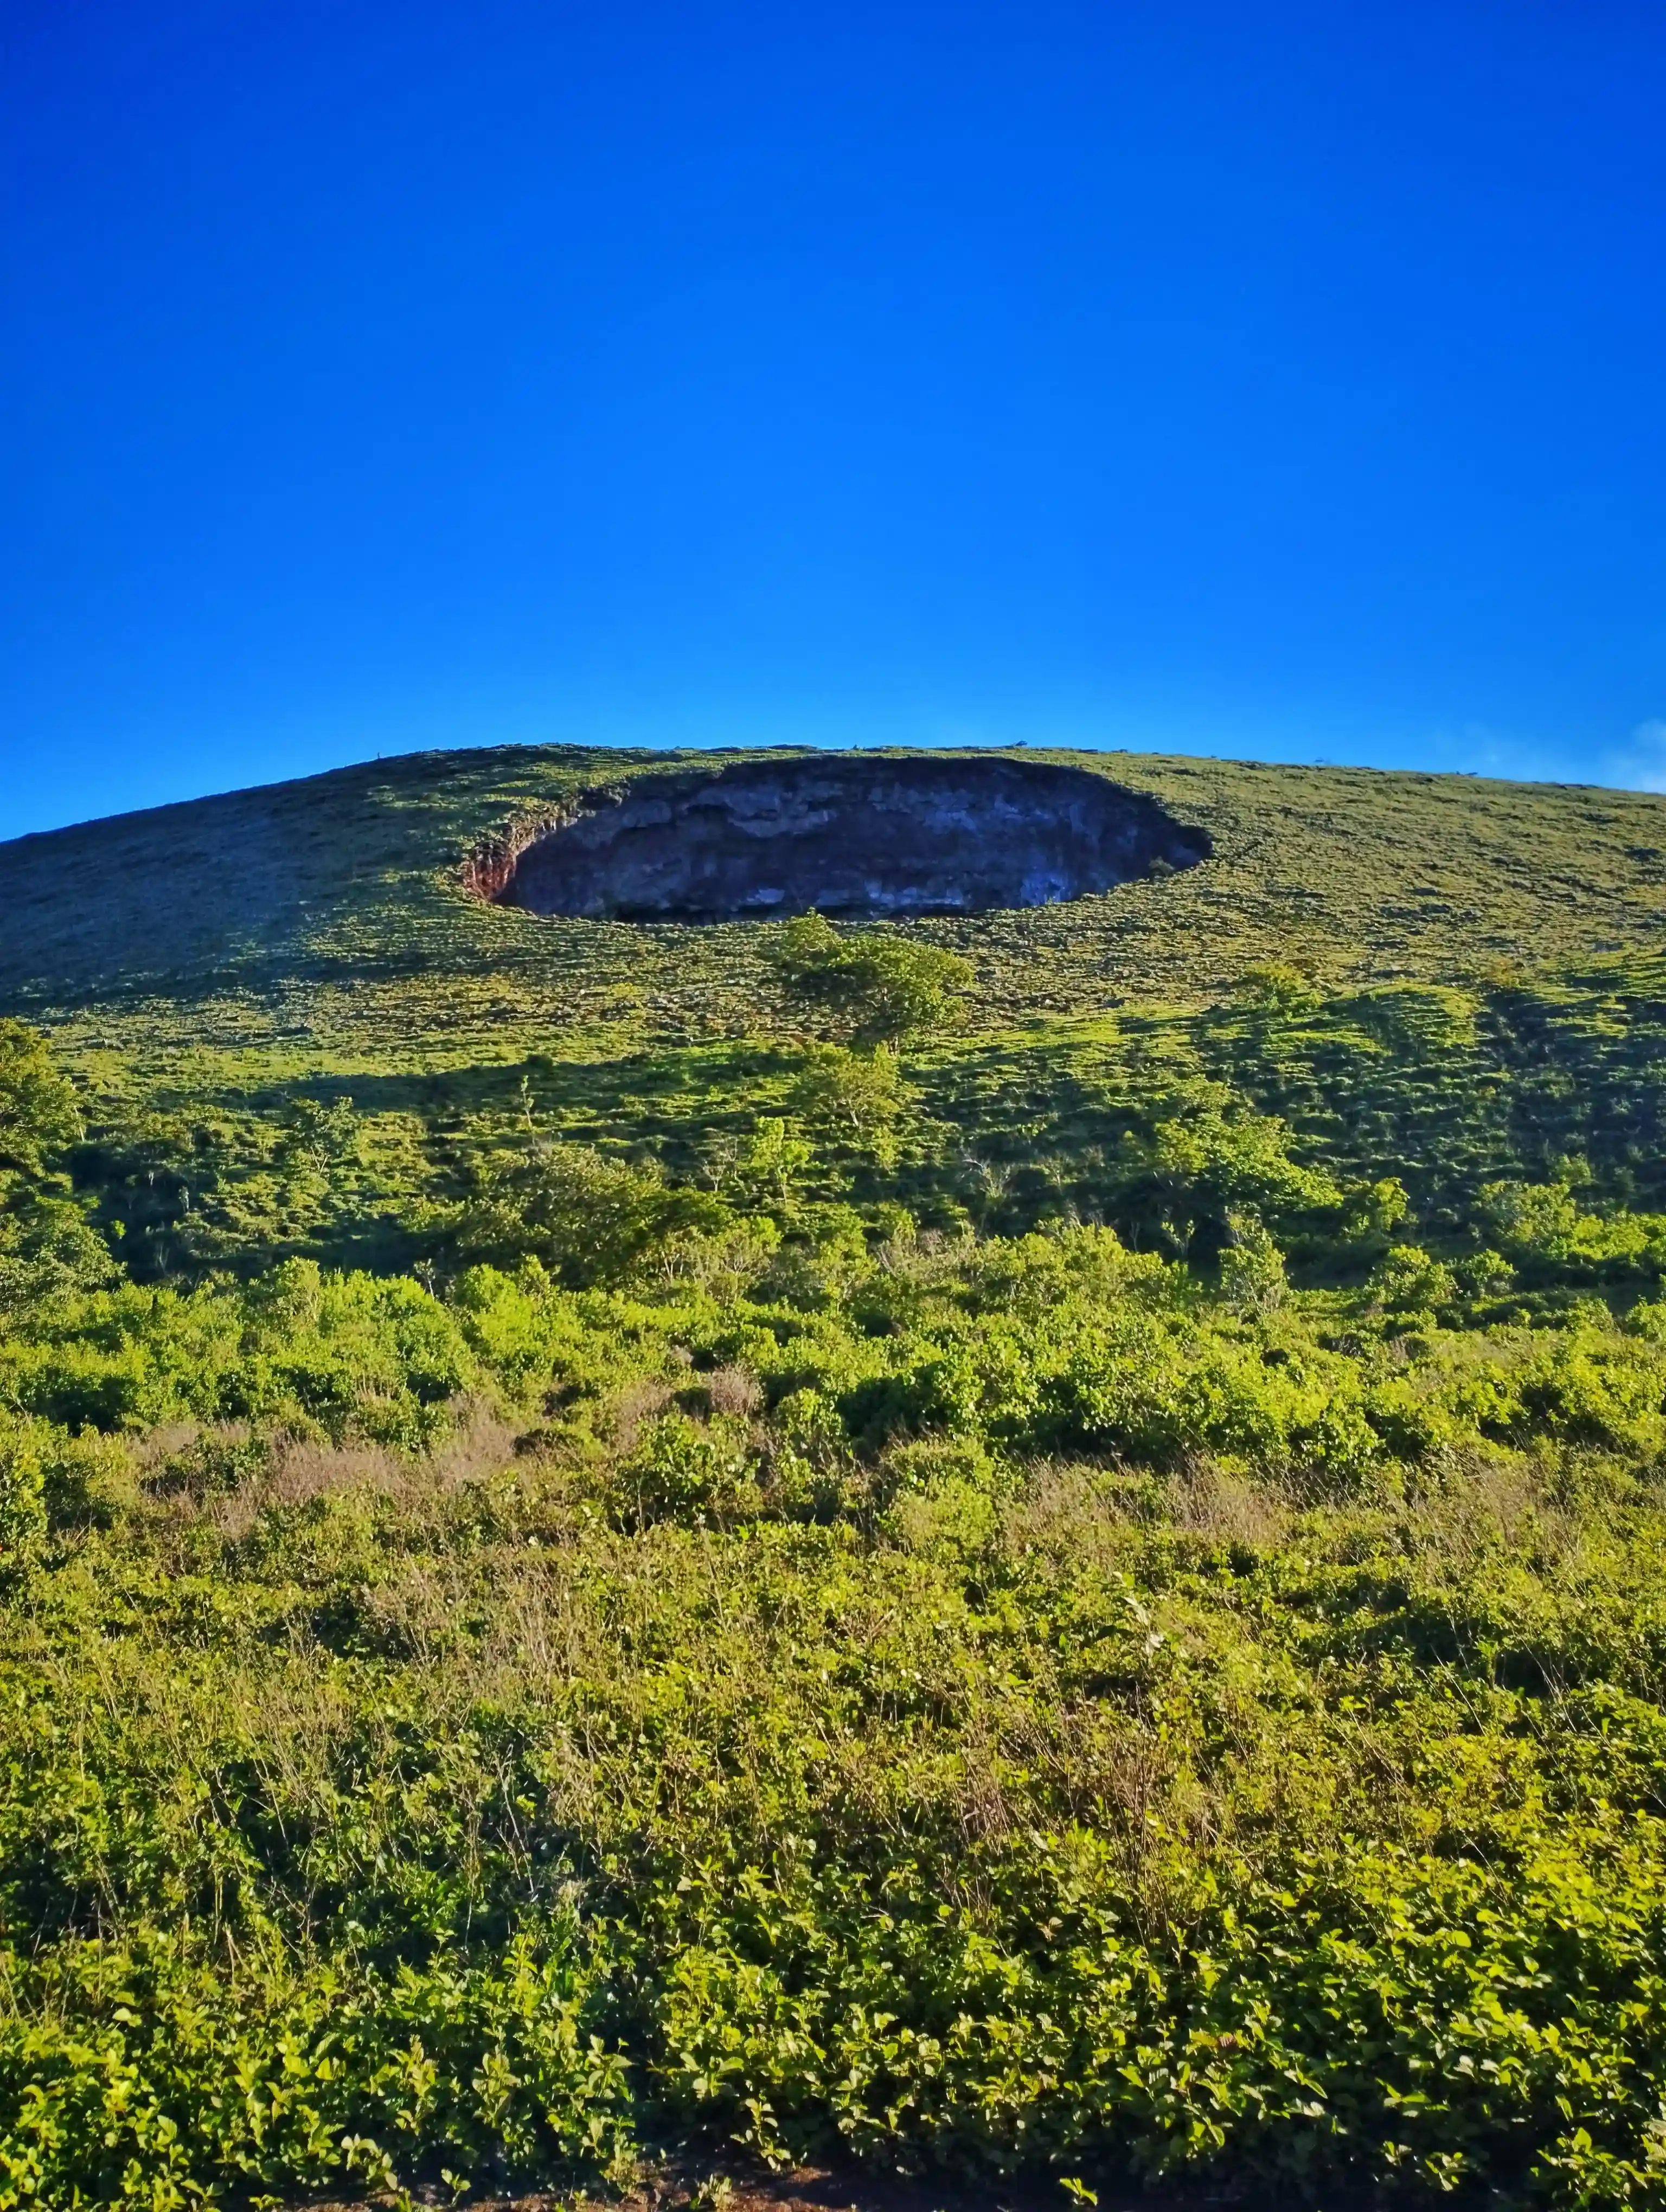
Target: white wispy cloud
<point>1641,762</point>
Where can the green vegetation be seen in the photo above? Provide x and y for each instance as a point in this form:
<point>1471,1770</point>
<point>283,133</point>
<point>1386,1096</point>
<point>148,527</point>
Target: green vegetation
<point>1029,1546</point>
<point>879,988</point>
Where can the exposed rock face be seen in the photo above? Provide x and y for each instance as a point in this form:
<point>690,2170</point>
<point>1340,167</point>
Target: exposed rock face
<point>848,835</point>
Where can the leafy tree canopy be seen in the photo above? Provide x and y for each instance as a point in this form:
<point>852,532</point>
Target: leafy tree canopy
<point>585,1217</point>
<point>877,988</point>
<point>38,1115</point>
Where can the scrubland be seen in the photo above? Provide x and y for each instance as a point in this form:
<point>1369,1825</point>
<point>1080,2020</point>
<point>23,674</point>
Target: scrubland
<point>1031,1549</point>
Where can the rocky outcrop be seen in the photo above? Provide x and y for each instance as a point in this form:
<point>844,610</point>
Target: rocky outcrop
<point>854,835</point>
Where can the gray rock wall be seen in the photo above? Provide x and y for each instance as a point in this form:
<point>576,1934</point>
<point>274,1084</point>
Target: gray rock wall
<point>852,834</point>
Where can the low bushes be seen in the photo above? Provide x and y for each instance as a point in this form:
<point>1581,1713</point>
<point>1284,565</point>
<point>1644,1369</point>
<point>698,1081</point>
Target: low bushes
<point>1019,1711</point>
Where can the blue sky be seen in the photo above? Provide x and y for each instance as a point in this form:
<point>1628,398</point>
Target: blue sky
<point>1282,381</point>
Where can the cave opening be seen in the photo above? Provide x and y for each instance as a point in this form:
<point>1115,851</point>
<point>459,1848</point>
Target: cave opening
<point>853,835</point>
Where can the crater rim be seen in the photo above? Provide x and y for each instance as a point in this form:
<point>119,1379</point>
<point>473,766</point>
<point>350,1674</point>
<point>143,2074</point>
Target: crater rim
<point>859,837</point>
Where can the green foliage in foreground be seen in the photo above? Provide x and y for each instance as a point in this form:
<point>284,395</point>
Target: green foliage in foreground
<point>1000,1703</point>
<point>1076,1601</point>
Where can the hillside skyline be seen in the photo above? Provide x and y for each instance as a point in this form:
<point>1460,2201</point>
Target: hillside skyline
<point>1640,783</point>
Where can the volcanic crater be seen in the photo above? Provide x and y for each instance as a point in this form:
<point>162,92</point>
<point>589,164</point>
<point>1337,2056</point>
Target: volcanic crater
<point>862,835</point>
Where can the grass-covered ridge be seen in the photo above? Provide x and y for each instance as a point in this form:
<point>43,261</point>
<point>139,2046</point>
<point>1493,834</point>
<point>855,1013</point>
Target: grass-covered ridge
<point>760,1540</point>
<point>260,909</point>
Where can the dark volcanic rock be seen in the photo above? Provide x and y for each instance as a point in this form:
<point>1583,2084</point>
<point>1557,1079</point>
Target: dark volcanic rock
<point>848,835</point>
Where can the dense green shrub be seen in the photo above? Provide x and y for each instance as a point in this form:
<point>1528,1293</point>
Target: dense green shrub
<point>878,986</point>
<point>1169,1683</point>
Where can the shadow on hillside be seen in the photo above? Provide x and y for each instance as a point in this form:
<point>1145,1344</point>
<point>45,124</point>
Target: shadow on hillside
<point>595,1091</point>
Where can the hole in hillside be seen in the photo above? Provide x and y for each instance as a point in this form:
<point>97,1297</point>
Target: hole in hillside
<point>850,836</point>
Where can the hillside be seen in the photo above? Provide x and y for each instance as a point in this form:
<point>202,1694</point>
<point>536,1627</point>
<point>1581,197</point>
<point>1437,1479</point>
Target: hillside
<point>1484,959</point>
<point>268,907</point>
<point>1022,1544</point>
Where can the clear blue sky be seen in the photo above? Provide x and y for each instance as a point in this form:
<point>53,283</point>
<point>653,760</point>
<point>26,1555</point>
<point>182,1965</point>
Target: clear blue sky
<point>1279,380</point>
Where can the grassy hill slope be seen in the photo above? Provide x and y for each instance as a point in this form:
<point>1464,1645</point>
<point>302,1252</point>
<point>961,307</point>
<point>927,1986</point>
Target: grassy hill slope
<point>1487,999</point>
<point>598,1563</point>
<point>285,898</point>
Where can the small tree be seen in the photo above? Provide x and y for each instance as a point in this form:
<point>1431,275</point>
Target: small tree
<point>1279,986</point>
<point>771,1172</point>
<point>879,988</point>
<point>38,1113</point>
<point>588,1217</point>
<point>1183,1181</point>
<point>47,1242</point>
<point>1252,1272</point>
<point>861,1095</point>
